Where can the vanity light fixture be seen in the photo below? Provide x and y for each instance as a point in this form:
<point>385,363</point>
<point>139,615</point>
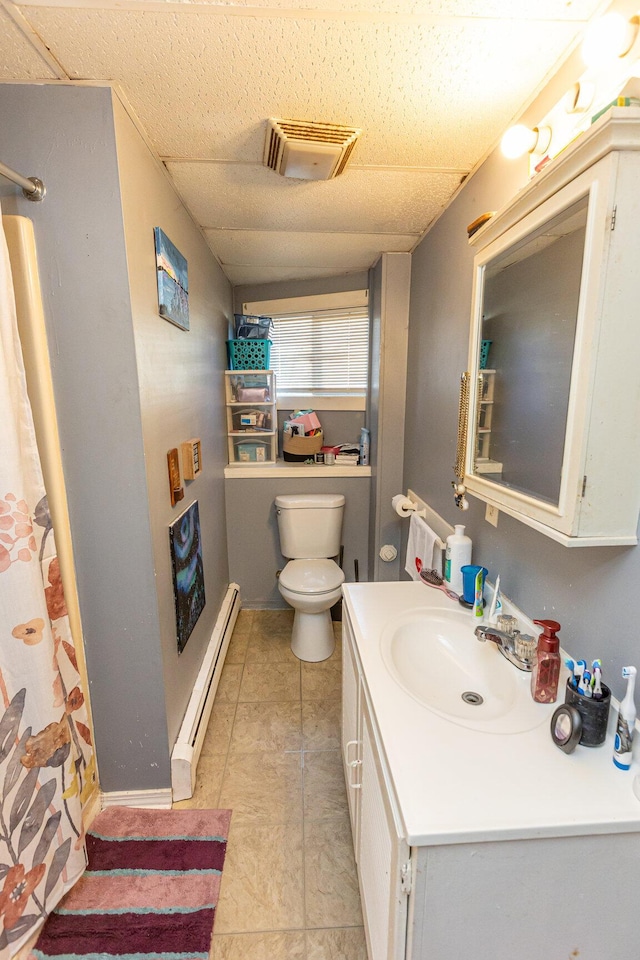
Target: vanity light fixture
<point>580,97</point>
<point>519,140</point>
<point>608,38</point>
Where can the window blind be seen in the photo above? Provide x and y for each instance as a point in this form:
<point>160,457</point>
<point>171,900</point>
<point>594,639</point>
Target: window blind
<point>321,351</point>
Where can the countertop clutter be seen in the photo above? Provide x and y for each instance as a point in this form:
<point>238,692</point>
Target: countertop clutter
<point>455,784</point>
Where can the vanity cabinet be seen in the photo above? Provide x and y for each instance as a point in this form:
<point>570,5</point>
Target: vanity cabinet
<point>381,852</point>
<point>475,885</point>
<point>556,290</point>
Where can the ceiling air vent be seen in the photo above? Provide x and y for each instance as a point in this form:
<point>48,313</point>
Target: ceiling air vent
<point>307,150</point>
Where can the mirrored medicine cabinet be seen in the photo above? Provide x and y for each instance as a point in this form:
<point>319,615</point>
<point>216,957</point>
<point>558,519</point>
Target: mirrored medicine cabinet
<point>553,408</point>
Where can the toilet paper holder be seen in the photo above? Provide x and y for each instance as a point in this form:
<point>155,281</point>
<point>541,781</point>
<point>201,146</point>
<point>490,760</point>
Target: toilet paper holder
<point>404,506</point>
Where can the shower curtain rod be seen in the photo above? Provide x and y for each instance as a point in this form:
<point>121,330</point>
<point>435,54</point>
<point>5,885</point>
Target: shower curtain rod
<point>32,188</point>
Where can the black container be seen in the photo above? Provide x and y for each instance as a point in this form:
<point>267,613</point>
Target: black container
<point>594,713</point>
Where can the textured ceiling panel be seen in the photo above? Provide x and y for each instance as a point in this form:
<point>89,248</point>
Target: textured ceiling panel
<point>515,9</point>
<point>18,59</point>
<point>342,251</point>
<point>380,9</point>
<point>426,94</point>
<point>364,201</point>
<point>243,275</point>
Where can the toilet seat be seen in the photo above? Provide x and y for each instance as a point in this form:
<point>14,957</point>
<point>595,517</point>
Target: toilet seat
<point>309,577</point>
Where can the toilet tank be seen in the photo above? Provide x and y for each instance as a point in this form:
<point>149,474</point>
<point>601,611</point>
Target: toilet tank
<point>310,525</point>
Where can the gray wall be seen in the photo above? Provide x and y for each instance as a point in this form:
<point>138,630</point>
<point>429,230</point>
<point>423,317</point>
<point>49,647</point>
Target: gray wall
<point>181,377</point>
<point>95,321</point>
<point>586,589</point>
<point>252,531</point>
<point>386,405</point>
<point>338,426</point>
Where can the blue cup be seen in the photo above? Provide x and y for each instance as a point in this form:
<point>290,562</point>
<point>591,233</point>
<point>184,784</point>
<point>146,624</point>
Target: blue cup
<point>469,573</point>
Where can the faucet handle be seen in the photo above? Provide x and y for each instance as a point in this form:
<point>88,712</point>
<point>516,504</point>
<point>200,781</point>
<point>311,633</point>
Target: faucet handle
<point>525,646</point>
<point>507,624</point>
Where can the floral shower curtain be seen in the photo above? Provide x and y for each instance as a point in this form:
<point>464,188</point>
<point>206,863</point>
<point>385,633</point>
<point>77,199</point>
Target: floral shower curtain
<point>46,758</point>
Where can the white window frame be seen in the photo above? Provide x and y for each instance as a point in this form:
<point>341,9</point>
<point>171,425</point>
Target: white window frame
<point>327,301</point>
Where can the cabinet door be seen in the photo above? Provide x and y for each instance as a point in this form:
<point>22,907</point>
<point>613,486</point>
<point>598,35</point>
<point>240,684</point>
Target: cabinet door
<point>351,742</point>
<point>383,855</point>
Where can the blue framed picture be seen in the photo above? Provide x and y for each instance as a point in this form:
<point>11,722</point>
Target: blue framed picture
<point>173,282</point>
<point>188,573</point>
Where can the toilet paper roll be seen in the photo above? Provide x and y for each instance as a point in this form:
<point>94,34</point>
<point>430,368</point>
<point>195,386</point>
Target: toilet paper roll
<point>402,505</point>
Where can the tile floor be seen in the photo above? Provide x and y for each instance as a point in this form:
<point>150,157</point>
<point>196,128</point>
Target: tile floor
<point>272,755</point>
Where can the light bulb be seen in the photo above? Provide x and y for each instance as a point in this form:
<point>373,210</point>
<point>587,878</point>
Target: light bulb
<point>519,140</point>
<point>607,38</point>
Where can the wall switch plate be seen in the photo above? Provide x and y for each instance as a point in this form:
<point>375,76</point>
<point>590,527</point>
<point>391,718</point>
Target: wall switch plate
<point>491,515</point>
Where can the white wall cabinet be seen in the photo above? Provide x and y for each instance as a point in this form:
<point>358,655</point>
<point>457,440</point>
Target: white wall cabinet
<point>556,289</point>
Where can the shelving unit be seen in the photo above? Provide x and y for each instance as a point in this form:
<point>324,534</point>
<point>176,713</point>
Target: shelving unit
<point>252,420</point>
<point>484,463</point>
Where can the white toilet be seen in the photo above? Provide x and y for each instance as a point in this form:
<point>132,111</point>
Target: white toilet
<point>310,526</point>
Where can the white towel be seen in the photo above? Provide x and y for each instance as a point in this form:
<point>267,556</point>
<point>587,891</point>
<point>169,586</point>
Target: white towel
<point>423,548</point>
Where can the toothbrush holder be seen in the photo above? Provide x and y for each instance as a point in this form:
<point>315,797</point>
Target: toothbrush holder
<point>594,713</point>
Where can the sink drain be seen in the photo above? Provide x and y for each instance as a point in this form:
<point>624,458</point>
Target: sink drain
<point>470,696</point>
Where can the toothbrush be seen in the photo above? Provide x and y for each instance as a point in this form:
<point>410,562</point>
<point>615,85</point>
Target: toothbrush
<point>571,667</point>
<point>496,603</point>
<point>585,689</point>
<point>578,671</point>
<point>597,680</point>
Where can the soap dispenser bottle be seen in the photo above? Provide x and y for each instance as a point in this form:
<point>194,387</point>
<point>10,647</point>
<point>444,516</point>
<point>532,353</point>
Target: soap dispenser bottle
<point>547,663</point>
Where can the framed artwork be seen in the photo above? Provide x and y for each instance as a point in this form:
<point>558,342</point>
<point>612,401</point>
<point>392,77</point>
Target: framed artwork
<point>191,458</point>
<point>175,484</point>
<point>173,282</point>
<point>188,573</point>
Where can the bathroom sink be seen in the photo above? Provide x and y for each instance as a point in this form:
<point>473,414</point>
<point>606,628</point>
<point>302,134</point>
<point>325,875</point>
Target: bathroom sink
<point>435,657</point>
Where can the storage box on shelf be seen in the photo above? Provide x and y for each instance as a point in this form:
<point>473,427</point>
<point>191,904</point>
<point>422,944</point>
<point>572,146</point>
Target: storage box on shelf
<point>250,397</point>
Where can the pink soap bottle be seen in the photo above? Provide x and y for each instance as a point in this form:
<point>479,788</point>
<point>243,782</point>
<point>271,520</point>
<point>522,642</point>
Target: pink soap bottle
<point>547,663</point>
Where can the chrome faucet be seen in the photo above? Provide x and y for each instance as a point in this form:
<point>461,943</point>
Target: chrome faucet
<point>517,653</point>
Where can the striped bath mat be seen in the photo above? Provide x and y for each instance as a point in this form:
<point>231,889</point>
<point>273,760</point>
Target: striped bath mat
<point>149,892</point>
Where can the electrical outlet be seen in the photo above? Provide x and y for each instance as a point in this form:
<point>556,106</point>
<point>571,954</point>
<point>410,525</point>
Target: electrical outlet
<point>491,515</point>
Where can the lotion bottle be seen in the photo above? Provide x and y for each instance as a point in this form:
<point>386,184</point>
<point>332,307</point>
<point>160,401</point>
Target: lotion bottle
<point>457,555</point>
<point>626,723</point>
<point>546,665</point>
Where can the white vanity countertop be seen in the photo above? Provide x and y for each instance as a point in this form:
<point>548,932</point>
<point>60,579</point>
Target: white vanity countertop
<point>457,785</point>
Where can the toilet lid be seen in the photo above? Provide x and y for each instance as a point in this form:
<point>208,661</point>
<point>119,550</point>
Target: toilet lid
<point>311,576</point>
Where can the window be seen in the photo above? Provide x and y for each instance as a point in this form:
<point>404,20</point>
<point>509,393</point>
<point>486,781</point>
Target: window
<point>319,348</point>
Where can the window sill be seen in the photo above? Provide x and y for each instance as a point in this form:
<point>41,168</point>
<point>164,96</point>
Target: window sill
<point>244,471</point>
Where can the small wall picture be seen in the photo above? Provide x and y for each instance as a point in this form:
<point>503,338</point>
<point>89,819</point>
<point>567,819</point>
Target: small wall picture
<point>191,458</point>
<point>188,573</point>
<point>176,489</point>
<point>173,282</point>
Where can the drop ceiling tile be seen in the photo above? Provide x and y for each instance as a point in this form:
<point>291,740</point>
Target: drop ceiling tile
<point>338,251</point>
<point>18,59</point>
<point>246,196</point>
<point>426,93</point>
<point>238,275</point>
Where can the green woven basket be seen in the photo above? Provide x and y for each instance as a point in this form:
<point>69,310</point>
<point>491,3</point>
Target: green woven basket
<point>249,354</point>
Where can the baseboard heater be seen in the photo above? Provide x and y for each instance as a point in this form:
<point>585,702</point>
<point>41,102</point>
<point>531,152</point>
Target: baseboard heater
<point>186,751</point>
